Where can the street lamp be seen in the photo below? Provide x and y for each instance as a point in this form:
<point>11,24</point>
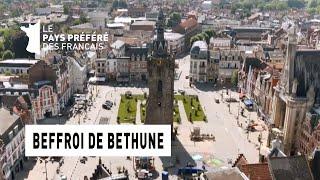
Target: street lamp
<point>248,126</point>
<point>260,141</point>
<point>45,165</point>
<point>238,113</point>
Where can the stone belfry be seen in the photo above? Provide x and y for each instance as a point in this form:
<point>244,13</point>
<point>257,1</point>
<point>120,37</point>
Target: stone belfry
<point>159,108</point>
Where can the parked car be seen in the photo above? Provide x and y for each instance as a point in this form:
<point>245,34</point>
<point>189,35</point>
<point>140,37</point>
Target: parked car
<point>231,100</point>
<point>109,103</point>
<point>181,91</point>
<point>216,100</point>
<point>106,106</point>
<point>83,159</point>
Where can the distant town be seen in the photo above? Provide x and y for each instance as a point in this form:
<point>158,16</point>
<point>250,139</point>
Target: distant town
<point>237,80</point>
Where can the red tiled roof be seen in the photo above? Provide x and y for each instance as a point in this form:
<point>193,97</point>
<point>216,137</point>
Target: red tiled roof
<point>241,160</point>
<point>188,23</point>
<point>256,171</point>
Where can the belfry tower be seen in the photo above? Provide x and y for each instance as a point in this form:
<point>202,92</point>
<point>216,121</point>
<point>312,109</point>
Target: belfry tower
<point>159,108</point>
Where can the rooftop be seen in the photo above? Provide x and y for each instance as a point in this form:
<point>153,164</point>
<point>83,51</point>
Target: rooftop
<point>114,25</point>
<point>294,167</point>
<point>9,85</point>
<point>171,36</point>
<point>83,26</point>
<point>6,120</point>
<point>19,61</point>
<point>256,171</point>
<point>188,23</point>
<point>117,44</point>
<point>144,23</point>
<point>226,174</point>
<point>201,44</point>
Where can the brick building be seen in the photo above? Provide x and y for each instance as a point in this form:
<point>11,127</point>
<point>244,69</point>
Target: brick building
<point>189,28</point>
<point>143,25</point>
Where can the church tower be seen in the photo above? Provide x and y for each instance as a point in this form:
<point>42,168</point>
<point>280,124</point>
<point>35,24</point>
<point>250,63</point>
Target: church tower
<point>159,108</point>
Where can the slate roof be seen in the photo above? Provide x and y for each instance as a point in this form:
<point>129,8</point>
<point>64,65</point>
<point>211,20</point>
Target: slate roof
<point>307,71</point>
<point>8,100</point>
<point>137,51</point>
<point>226,174</point>
<point>294,167</point>
<point>254,63</point>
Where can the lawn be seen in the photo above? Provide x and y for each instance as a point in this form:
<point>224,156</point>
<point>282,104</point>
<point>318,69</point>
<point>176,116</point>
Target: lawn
<point>192,107</point>
<point>128,108</point>
<point>176,113</point>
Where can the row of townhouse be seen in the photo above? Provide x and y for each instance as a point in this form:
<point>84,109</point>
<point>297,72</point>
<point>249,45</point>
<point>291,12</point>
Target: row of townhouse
<point>124,63</point>
<point>11,144</point>
<point>212,64</point>
<point>50,83</point>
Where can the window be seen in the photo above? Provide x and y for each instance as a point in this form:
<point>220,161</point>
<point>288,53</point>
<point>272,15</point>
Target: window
<point>15,129</point>
<point>160,86</point>
<point>10,135</point>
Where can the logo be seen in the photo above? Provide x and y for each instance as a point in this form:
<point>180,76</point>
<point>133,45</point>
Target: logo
<point>33,33</point>
<point>45,37</point>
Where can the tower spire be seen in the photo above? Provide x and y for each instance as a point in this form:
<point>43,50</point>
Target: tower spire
<point>159,44</point>
<point>160,26</point>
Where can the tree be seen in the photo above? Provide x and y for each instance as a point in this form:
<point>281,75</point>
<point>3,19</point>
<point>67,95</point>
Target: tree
<point>204,36</point>
<point>7,35</point>
<point>194,39</point>
<point>66,9</point>
<point>83,19</point>
<point>7,55</point>
<point>296,3</point>
<point>281,6</point>
<point>16,12</point>
<point>210,33</point>
<point>234,78</point>
<point>312,3</point>
<point>7,73</point>
<point>174,19</point>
